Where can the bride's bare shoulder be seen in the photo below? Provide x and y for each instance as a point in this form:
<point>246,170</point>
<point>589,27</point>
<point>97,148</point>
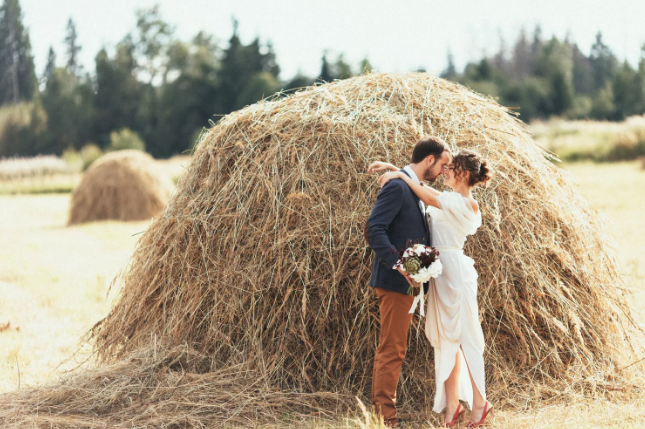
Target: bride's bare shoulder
<point>472,204</point>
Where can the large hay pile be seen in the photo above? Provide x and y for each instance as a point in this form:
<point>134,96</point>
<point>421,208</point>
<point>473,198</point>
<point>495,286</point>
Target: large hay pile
<point>122,185</point>
<point>259,260</point>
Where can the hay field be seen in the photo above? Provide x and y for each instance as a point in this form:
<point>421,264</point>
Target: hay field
<point>54,280</point>
<point>592,140</point>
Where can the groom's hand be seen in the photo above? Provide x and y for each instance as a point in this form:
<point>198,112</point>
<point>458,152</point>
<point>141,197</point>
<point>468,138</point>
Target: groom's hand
<point>407,276</point>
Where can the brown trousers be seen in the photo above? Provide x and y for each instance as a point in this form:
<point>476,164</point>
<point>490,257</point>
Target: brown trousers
<point>392,345</point>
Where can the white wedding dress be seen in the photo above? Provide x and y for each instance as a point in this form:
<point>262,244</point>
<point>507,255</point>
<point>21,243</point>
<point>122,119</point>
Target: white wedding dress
<point>452,319</point>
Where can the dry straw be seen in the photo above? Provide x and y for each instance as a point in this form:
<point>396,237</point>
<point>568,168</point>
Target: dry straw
<point>145,391</point>
<point>259,263</point>
<point>122,185</point>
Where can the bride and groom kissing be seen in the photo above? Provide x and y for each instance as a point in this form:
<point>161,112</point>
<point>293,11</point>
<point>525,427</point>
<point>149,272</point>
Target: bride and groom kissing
<point>407,210</point>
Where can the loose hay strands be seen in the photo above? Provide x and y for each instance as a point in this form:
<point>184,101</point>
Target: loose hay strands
<point>148,391</point>
<point>122,185</point>
<point>259,260</point>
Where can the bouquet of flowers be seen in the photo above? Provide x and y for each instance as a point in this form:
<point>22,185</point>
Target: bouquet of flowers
<point>422,264</point>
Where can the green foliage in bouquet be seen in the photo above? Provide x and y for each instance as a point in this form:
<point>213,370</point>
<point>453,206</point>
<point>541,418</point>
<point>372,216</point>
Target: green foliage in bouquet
<point>412,265</point>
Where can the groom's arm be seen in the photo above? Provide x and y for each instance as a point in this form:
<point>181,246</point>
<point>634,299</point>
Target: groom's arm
<point>388,204</point>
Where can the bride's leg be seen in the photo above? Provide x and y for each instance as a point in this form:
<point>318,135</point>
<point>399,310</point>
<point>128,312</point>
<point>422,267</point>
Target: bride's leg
<point>452,389</point>
<point>479,403</point>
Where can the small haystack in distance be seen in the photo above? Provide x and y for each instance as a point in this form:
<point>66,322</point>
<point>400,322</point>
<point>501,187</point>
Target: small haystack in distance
<point>122,185</point>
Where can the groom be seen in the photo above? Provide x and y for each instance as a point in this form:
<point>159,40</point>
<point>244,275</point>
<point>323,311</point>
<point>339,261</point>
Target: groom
<point>398,216</point>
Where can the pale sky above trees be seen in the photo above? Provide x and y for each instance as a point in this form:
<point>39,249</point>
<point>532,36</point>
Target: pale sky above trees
<point>394,35</point>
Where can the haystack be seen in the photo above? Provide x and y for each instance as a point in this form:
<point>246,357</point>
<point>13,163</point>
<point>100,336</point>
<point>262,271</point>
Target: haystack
<point>122,185</point>
<point>259,261</point>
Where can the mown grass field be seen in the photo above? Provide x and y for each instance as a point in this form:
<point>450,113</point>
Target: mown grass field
<point>54,282</point>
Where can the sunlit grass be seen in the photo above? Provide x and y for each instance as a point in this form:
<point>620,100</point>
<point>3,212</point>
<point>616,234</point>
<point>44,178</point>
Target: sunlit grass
<point>617,190</point>
<point>53,282</point>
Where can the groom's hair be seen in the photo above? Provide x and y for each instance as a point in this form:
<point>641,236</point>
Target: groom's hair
<point>426,147</point>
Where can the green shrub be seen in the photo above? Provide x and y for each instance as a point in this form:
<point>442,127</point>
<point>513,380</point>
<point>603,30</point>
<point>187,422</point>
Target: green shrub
<point>89,154</point>
<point>624,146</point>
<point>73,159</point>
<point>22,126</point>
<point>125,139</point>
<point>573,155</point>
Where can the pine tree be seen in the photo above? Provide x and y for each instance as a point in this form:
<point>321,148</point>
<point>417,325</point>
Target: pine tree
<point>484,70</point>
<point>365,66</point>
<point>73,49</point>
<point>536,48</point>
<point>500,62</point>
<point>343,70</point>
<point>639,87</point>
<point>582,71</point>
<point>625,90</point>
<point>189,101</point>
<point>325,70</point>
<point>521,61</point>
<point>51,64</point>
<point>603,61</point>
<point>269,62</point>
<point>17,73</point>
<point>451,71</point>
<point>118,92</point>
<point>231,72</point>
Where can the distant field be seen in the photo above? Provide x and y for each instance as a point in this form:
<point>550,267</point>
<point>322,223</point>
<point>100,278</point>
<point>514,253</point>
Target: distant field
<point>592,140</point>
<point>54,281</point>
<point>29,180</point>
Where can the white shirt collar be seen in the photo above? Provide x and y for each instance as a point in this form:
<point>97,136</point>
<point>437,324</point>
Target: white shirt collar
<point>412,174</point>
<point>415,179</point>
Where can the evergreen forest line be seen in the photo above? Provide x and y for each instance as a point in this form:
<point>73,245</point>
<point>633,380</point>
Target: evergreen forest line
<point>161,91</point>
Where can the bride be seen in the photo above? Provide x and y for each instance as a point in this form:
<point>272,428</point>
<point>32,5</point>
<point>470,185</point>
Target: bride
<point>452,322</point>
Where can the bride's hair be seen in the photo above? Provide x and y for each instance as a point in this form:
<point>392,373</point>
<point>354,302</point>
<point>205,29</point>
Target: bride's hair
<point>467,160</point>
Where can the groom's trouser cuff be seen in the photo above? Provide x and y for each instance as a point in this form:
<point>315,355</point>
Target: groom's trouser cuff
<point>393,343</point>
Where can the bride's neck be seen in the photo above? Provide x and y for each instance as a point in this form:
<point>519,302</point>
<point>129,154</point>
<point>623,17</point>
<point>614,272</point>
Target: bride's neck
<point>462,189</point>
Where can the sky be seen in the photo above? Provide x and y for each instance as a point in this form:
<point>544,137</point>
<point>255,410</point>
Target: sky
<point>395,36</point>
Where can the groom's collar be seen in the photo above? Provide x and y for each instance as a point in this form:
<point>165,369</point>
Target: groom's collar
<point>410,172</point>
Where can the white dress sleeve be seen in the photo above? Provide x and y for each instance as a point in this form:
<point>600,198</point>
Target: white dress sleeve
<point>458,210</point>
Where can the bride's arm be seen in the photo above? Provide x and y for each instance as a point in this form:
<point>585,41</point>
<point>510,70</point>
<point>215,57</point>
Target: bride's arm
<point>425,193</point>
<point>377,166</point>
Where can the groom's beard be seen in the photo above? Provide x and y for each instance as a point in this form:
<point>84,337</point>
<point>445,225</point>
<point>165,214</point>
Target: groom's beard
<point>428,176</point>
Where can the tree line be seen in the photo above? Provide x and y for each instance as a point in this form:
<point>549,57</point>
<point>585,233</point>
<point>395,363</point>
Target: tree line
<point>544,78</point>
<point>165,90</point>
<point>161,88</point>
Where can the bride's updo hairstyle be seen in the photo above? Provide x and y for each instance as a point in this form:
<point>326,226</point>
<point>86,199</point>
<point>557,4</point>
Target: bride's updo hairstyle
<point>467,160</point>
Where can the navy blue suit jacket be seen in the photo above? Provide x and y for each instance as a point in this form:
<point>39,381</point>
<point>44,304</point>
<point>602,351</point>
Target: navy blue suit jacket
<point>395,219</point>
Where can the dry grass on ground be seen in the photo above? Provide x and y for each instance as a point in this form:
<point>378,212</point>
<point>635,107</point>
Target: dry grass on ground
<point>53,283</point>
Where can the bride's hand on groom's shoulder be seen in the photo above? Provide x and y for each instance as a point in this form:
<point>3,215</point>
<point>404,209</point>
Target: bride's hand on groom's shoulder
<point>377,167</point>
<point>389,176</point>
